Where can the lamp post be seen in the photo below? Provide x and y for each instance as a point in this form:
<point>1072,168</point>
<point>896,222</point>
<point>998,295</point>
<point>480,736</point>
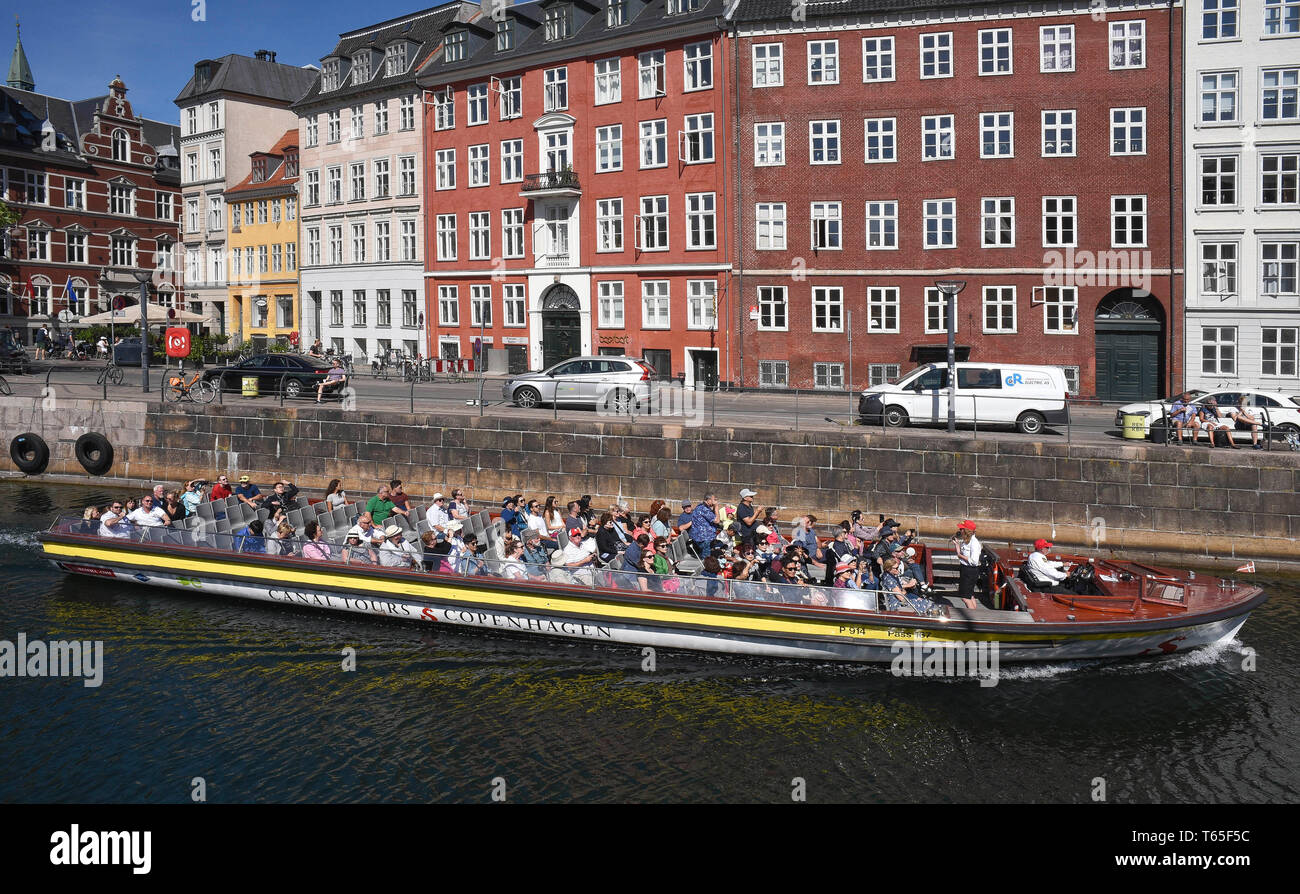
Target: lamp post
<point>143,277</point>
<point>951,288</point>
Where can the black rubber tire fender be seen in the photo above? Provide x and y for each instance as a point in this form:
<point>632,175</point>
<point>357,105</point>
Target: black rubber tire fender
<point>29,453</point>
<point>94,452</point>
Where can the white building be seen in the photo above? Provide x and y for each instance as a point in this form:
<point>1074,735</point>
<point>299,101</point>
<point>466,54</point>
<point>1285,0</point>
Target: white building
<point>1242,209</point>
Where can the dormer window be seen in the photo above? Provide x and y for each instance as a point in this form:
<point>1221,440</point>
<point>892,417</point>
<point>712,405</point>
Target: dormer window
<point>329,77</point>
<point>291,164</point>
<point>453,49</point>
<point>361,67</point>
<point>395,60</point>
<point>676,7</point>
<point>615,13</point>
<point>259,170</point>
<point>559,21</point>
<point>505,35</point>
<point>121,146</point>
<point>202,74</point>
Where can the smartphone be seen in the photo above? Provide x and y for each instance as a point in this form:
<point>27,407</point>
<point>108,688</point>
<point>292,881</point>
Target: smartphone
<point>882,516</point>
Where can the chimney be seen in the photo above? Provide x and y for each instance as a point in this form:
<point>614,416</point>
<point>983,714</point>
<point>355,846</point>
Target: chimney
<point>264,55</point>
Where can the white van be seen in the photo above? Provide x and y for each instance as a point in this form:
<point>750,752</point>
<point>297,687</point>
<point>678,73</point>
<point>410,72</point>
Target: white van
<point>1027,397</point>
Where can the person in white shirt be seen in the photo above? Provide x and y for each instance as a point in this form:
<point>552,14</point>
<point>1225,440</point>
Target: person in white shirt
<point>113,522</point>
<point>969,553</point>
<point>396,551</point>
<point>513,566</point>
<point>580,554</point>
<point>1046,576</point>
<point>149,515</point>
<point>437,515</point>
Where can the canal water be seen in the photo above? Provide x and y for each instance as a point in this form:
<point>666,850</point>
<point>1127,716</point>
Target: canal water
<point>253,699</point>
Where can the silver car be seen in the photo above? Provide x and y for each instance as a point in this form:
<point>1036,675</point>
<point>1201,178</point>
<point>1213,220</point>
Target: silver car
<point>617,384</point>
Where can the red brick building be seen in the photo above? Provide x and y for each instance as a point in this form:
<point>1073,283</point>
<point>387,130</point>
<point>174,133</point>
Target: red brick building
<point>577,170</point>
<point>995,143</point>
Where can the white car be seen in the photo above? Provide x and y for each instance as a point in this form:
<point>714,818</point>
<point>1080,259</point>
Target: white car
<point>616,383</point>
<point>1279,412</point>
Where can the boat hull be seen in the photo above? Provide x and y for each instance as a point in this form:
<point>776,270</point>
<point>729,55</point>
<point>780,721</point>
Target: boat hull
<point>598,616</point>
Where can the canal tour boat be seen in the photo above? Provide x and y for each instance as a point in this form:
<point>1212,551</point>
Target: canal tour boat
<point>1132,609</point>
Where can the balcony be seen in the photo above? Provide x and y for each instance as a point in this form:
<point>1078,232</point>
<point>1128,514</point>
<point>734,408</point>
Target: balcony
<point>555,260</point>
<point>551,183</point>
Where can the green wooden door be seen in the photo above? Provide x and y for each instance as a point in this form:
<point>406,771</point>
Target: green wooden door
<point>1128,366</point>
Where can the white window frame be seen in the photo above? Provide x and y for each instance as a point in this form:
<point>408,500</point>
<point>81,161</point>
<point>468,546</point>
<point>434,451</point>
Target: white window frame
<point>823,52</point>
<point>1124,121</point>
<point>1130,208</point>
<point>1056,128</point>
<point>885,133</point>
<point>1059,215</point>
<point>993,122</point>
<point>994,210</point>
<point>941,43</point>
<point>826,219</point>
<point>1055,37</point>
<point>938,301</point>
<point>1126,38</point>
<point>995,52</point>
<point>933,129</point>
<point>772,299</point>
<point>882,218</point>
<point>765,59</point>
<point>769,226</point>
<point>655,303</point>
<point>1001,300</point>
<point>829,136</point>
<point>480,165</point>
<point>1061,302</point>
<point>769,144</point>
<point>609,225</point>
<point>610,308</point>
<point>697,67</point>
<point>941,211</point>
<point>878,55</point>
<point>609,148</point>
<point>608,81</point>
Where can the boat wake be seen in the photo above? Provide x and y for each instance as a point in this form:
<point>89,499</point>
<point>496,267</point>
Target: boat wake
<point>24,540</point>
<point>1205,656</point>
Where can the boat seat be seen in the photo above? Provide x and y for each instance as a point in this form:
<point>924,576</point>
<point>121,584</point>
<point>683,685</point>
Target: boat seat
<point>484,518</point>
<point>682,558</point>
<point>959,611</point>
<point>321,508</point>
<point>205,510</point>
<point>422,526</point>
<point>263,514</point>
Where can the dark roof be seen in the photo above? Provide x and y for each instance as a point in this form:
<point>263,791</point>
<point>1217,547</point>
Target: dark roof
<point>423,29</point>
<point>251,77</point>
<point>779,10</point>
<point>650,23</point>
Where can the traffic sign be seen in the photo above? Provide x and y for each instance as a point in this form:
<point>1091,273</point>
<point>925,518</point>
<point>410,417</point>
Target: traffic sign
<point>177,340</point>
<point>119,303</point>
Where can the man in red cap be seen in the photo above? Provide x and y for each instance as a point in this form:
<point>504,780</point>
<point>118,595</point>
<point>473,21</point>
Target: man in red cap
<point>1045,576</point>
<point>969,552</point>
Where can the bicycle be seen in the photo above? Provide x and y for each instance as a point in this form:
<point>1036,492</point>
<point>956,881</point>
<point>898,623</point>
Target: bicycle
<point>4,387</point>
<point>197,390</point>
<point>379,367</point>
<point>111,373</point>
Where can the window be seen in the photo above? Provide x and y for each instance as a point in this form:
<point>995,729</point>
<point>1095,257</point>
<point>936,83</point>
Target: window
<point>823,62</point>
<point>701,304</point>
<point>882,374</point>
<point>480,235</point>
<point>446,237</point>
<point>478,165</point>
<point>356,182</point>
<point>1219,350</point>
<point>1128,44</point>
<point>334,185</point>
<point>192,215</point>
<point>1218,19</point>
<point>480,306</point>
<point>827,309</point>
<point>77,248</point>
<point>505,35</point>
<point>408,240</point>
<point>996,135</point>
<point>650,70</point>
<point>940,223</point>
<point>193,265</point>
<point>877,59</point>
<point>1059,224</point>
<point>35,183</point>
<point>698,61</point>
<point>1279,260</point>
<point>654,143</point>
<point>881,139</point>
<point>654,304</point>
<point>444,110</point>
<point>826,231</point>
<point>358,120</point>
<point>999,308</point>
<point>453,46</point>
<point>937,137</point>
<point>275,208</point>
<point>38,244</point>
<point>512,233</point>
<point>936,55</point>
<point>476,104</point>
<point>697,140</point>
<point>1278,354</point>
<point>824,142</point>
<point>395,60</point>
<point>122,254</point>
<point>164,257</point>
<point>936,311</point>
<point>1219,268</point>
<point>772,314</point>
<point>313,246</point>
<point>380,167</point>
<point>121,199</point>
<point>512,298</point>
<point>995,51</point>
<point>1128,131</point>
<point>512,98</point>
<point>769,226</point>
<point>556,89</point>
<point>1058,133</point>
<point>277,258</point>
<point>1278,179</point>
<point>383,308</point>
<point>609,84</point>
<point>74,196</point>
<point>290,256</point>
<point>262,266</point>
<point>769,143</point>
<point>559,21</point>
<point>406,175</point>
<point>1056,48</point>
<point>998,220</point>
<point>609,148</point>
<point>1219,180</point>
<point>406,113</point>
<point>1278,94</point>
<point>882,309</point>
<point>609,300</point>
<point>828,375</point>
<point>333,127</point>
<point>191,121</point>
<point>1219,97</point>
<point>1281,17</point>
<point>336,245</point>
<point>216,216</point>
<point>615,13</point>
<point>448,306</point>
<point>767,66</point>
<point>358,307</point>
<point>652,224</point>
<point>882,225</point>
<point>312,131</point>
<point>701,222</point>
<point>261,212</point>
<point>1128,219</point>
<point>191,167</point>
<point>336,308</point>
<point>1060,309</point>
<point>512,161</point>
<point>383,240</point>
<point>609,225</point>
<point>773,373</point>
<point>121,146</point>
<point>313,188</point>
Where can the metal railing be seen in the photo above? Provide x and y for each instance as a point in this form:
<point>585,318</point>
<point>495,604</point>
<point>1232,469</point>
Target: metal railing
<point>551,180</point>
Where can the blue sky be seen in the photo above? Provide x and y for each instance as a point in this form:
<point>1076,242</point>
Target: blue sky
<point>75,47</point>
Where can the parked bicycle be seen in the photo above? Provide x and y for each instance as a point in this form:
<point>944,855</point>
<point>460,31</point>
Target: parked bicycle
<point>196,389</point>
<point>4,386</point>
<point>111,373</point>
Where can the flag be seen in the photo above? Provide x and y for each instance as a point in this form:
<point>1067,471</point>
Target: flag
<point>69,296</point>
<point>1248,568</point>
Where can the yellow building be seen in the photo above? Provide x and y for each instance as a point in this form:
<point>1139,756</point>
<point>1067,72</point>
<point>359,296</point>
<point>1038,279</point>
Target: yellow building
<point>262,241</point>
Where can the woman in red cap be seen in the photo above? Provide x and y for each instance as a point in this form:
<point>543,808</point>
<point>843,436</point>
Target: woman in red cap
<point>969,551</point>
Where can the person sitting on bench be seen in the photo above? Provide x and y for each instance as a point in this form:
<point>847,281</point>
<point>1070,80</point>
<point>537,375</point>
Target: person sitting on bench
<point>1045,576</point>
<point>334,379</point>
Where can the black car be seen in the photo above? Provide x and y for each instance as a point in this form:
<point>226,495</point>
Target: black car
<point>297,372</point>
<point>127,351</point>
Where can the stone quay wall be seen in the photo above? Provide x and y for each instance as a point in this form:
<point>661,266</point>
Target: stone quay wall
<point>1134,499</point>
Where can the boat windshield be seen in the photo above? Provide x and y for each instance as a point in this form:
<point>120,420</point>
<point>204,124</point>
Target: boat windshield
<point>353,553</point>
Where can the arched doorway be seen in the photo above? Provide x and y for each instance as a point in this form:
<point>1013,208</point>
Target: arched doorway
<point>1130,346</point>
<point>561,325</point>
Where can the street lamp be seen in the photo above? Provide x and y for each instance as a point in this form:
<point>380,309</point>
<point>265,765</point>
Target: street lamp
<point>951,288</point>
<point>143,277</point>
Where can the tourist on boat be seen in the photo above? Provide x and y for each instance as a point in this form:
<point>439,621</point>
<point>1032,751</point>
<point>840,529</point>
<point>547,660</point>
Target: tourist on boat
<point>579,555</point>
<point>513,566</point>
<point>608,543</point>
<point>89,520</point>
<point>437,553</point>
<point>149,514</point>
<point>661,563</point>
<point>284,537</point>
<point>1244,420</point>
<point>662,524</point>
<point>632,554</point>
<point>159,494</point>
<point>316,547</point>
<point>863,533</point>
<point>509,516</point>
<point>536,553</point>
<point>221,489</point>
<point>396,551</point>
<point>368,527</point>
<point>458,507</point>
<point>1044,575</point>
<point>969,553</point>
<point>173,506</point>
<point>899,598</point>
<point>380,506</point>
<point>335,496</point>
<point>864,578</point>
<point>248,493</point>
<point>704,526</point>
<point>250,539</point>
<point>401,502</point>
<point>906,556</point>
<point>113,521</point>
<point>355,550</point>
<point>471,562</point>
<point>193,495</point>
<point>554,518</point>
<point>437,515</point>
<point>282,496</point>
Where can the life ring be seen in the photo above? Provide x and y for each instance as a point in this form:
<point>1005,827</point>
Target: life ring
<point>94,452</point>
<point>30,453</point>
